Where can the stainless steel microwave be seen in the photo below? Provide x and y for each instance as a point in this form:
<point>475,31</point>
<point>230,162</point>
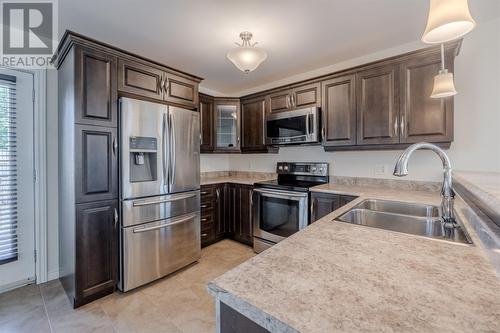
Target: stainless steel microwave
<point>293,127</point>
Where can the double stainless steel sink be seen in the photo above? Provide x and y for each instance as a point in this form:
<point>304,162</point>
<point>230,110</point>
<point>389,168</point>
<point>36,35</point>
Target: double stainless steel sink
<point>410,218</point>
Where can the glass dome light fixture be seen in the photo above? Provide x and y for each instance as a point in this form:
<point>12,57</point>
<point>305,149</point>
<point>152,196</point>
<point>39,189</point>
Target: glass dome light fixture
<point>447,20</point>
<point>246,57</point>
<point>443,82</point>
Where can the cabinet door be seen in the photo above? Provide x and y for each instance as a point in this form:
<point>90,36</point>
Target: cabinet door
<point>140,79</point>
<point>377,106</point>
<point>424,118</point>
<point>243,230</point>
<point>96,95</point>
<point>307,95</point>
<point>279,101</point>
<point>96,172</point>
<point>339,111</point>
<point>227,125</point>
<point>252,124</point>
<point>180,91</point>
<point>96,250</point>
<point>206,124</point>
<point>221,211</point>
<point>323,204</point>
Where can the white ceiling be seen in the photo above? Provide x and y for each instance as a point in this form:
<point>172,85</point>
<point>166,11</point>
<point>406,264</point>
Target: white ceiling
<point>299,35</point>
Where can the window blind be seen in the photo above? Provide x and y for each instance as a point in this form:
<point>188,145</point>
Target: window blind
<point>8,170</point>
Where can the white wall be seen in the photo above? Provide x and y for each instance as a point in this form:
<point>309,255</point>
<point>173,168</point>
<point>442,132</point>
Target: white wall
<point>477,120</point>
<point>52,177</point>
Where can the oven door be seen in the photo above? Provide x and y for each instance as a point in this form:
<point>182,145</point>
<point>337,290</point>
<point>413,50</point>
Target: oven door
<point>278,214</point>
<point>292,127</point>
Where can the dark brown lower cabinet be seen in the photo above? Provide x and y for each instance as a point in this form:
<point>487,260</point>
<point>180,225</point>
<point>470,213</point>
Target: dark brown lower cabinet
<point>226,213</point>
<point>323,204</point>
<point>96,248</point>
<point>240,203</point>
<point>231,321</point>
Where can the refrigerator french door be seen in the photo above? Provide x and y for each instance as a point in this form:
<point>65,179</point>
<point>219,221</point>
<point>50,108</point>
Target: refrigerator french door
<point>160,198</point>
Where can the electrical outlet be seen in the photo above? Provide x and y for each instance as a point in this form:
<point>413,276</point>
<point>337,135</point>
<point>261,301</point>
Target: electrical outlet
<point>379,170</point>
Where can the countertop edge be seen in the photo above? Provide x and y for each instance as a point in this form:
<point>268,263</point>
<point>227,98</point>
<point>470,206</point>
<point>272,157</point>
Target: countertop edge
<point>248,310</point>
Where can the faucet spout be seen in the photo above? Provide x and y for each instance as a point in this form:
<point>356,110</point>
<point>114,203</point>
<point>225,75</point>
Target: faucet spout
<point>447,193</point>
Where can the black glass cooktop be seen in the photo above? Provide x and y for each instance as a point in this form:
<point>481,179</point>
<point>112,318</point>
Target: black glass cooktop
<point>296,184</point>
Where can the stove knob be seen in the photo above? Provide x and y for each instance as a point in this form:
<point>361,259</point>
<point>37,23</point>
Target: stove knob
<point>313,169</point>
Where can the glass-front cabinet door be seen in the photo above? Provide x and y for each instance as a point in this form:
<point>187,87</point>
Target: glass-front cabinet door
<point>227,124</point>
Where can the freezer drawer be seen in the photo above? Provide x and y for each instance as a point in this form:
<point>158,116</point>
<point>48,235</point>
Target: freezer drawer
<point>153,250</point>
<point>151,209</point>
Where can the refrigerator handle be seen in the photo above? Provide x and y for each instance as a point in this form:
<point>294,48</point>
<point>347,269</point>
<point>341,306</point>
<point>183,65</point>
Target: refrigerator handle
<point>172,149</point>
<point>164,151</point>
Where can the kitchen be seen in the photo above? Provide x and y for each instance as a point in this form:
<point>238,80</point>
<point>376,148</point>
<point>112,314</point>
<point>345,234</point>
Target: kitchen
<point>186,188</point>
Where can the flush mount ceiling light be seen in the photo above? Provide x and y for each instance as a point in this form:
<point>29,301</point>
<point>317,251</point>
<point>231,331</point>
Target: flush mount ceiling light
<point>246,57</point>
<point>447,20</point>
<point>443,82</point>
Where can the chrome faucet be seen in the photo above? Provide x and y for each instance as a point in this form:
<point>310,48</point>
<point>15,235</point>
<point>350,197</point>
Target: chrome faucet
<point>401,169</point>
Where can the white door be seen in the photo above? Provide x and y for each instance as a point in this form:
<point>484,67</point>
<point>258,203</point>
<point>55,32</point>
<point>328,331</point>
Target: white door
<point>17,225</point>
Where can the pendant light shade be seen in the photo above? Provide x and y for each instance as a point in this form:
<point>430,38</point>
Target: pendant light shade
<point>246,57</point>
<point>447,20</point>
<point>443,85</point>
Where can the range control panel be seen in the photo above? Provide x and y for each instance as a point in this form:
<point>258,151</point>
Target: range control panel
<point>303,168</point>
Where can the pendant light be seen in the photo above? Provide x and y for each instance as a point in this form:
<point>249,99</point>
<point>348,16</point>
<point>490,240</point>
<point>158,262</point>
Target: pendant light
<point>443,82</point>
<point>246,57</point>
<point>447,20</point>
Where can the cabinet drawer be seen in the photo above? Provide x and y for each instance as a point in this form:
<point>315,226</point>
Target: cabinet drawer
<point>207,220</point>
<point>207,235</point>
<point>207,193</point>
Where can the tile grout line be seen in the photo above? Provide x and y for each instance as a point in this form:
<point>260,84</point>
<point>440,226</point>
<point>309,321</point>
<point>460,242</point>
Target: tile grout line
<point>45,308</point>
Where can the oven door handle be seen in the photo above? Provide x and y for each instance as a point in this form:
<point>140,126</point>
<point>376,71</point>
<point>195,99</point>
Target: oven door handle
<point>280,194</point>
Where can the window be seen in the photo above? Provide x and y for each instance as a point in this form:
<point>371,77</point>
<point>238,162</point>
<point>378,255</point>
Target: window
<point>8,170</point>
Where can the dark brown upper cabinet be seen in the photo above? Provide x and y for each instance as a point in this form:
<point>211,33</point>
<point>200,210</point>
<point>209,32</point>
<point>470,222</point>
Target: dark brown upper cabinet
<point>306,95</point>
<point>96,163</point>
<point>96,249</point>
<point>253,113</point>
<point>140,79</point>
<point>96,84</point>
<point>206,123</point>
<point>180,90</point>
<point>339,111</point>
<point>227,125</point>
<point>378,105</point>
<point>424,118</point>
<point>298,97</point>
<point>155,83</point>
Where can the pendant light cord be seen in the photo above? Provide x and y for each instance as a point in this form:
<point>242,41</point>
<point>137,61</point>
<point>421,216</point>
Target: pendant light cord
<point>442,56</point>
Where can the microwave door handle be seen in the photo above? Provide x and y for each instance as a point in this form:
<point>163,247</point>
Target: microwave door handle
<point>308,130</point>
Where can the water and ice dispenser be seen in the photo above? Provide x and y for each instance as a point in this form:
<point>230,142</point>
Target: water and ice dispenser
<point>143,155</point>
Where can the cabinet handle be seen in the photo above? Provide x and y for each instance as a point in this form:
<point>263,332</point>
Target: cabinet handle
<point>160,84</point>
<point>115,146</point>
<point>402,126</point>
<point>293,100</point>
<point>396,126</point>
<point>203,192</point>
<point>204,206</point>
<point>312,211</point>
<point>287,101</point>
<point>166,85</point>
<point>116,217</point>
<point>217,193</point>
<point>204,235</point>
<point>323,137</point>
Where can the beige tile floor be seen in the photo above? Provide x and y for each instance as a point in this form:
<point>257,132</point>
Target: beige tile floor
<point>179,303</point>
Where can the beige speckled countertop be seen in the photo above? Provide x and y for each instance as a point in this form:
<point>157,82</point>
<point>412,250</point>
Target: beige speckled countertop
<point>339,277</point>
<point>242,177</point>
<point>483,185</point>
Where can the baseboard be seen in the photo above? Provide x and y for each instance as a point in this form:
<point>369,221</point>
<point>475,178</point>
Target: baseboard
<point>16,284</point>
<point>52,275</point>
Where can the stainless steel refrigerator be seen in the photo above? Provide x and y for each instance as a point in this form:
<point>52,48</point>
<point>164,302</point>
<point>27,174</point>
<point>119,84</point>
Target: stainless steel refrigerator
<point>159,192</point>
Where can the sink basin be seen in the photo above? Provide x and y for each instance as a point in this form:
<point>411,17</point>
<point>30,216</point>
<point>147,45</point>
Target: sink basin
<point>409,218</point>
